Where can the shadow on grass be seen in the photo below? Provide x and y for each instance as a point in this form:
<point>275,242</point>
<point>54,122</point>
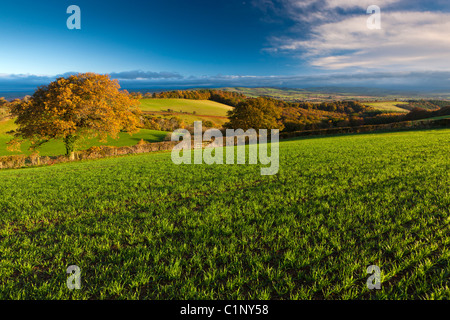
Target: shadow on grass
<point>377,132</point>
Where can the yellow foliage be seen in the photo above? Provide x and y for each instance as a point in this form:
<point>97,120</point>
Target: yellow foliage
<point>86,104</point>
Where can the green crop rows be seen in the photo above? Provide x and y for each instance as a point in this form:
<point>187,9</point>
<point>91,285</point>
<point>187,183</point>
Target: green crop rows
<point>140,227</point>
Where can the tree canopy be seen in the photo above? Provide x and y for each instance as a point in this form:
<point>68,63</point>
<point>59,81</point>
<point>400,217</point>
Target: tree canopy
<point>255,113</point>
<point>82,105</point>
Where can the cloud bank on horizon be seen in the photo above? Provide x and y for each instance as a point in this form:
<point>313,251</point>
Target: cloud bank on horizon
<point>300,43</point>
<point>422,81</point>
<point>414,36</point>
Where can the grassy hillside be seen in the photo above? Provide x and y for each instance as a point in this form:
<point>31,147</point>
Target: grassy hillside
<point>142,227</point>
<point>388,106</point>
<point>54,148</point>
<point>201,107</point>
<point>434,118</point>
<point>205,110</point>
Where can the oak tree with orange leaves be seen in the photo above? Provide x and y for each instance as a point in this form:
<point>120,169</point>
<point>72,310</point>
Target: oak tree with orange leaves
<point>79,106</point>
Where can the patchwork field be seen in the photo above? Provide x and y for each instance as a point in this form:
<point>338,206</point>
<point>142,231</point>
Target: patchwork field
<point>319,94</point>
<point>201,107</point>
<point>387,106</point>
<point>54,148</point>
<point>205,110</point>
<point>142,227</point>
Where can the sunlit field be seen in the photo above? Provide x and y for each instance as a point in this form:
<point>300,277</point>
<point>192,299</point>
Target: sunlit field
<point>56,147</point>
<point>141,227</point>
<point>201,107</point>
<point>388,106</point>
<point>188,110</point>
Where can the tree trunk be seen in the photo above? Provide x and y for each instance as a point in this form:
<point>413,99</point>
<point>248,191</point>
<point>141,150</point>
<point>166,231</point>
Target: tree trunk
<point>69,141</point>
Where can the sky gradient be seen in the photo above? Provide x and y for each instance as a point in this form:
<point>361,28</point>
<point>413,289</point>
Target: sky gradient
<point>216,43</point>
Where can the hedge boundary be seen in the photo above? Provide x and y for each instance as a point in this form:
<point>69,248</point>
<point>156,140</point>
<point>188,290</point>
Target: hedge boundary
<point>404,125</point>
<point>20,161</point>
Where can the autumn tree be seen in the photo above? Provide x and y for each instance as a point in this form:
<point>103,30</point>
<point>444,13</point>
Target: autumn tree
<point>72,108</point>
<point>255,113</point>
<point>3,101</point>
<point>4,108</point>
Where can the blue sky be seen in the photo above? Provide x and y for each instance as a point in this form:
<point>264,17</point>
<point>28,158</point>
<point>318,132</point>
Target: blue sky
<point>212,43</point>
<point>193,37</point>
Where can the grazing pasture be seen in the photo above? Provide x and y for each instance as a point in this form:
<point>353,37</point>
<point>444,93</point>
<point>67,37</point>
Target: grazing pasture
<point>388,106</point>
<point>56,147</point>
<point>141,227</point>
<point>205,110</point>
<point>201,107</point>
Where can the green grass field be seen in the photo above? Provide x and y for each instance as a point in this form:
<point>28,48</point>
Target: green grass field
<point>434,118</point>
<point>205,110</point>
<point>201,107</point>
<point>387,106</point>
<point>56,147</point>
<point>140,227</point>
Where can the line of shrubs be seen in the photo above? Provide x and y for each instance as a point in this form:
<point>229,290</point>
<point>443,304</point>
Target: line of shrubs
<point>428,124</point>
<point>19,161</point>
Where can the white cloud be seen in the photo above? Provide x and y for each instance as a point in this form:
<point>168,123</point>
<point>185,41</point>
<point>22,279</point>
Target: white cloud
<point>407,41</point>
<point>331,34</point>
<point>303,9</point>
<point>144,75</point>
<point>417,81</point>
<point>347,4</point>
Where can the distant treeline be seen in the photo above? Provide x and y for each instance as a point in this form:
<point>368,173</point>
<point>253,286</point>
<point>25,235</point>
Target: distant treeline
<point>233,98</point>
<point>419,113</point>
<point>354,120</point>
<point>414,114</point>
<point>397,126</point>
<point>225,97</point>
<point>425,104</point>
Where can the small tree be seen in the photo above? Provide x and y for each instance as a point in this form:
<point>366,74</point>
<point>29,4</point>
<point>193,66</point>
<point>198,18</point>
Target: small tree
<point>208,124</point>
<point>255,113</point>
<point>83,105</point>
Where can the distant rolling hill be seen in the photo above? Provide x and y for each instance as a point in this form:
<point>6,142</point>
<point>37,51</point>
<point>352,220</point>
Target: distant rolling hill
<point>188,110</point>
<point>318,94</point>
<point>388,106</point>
